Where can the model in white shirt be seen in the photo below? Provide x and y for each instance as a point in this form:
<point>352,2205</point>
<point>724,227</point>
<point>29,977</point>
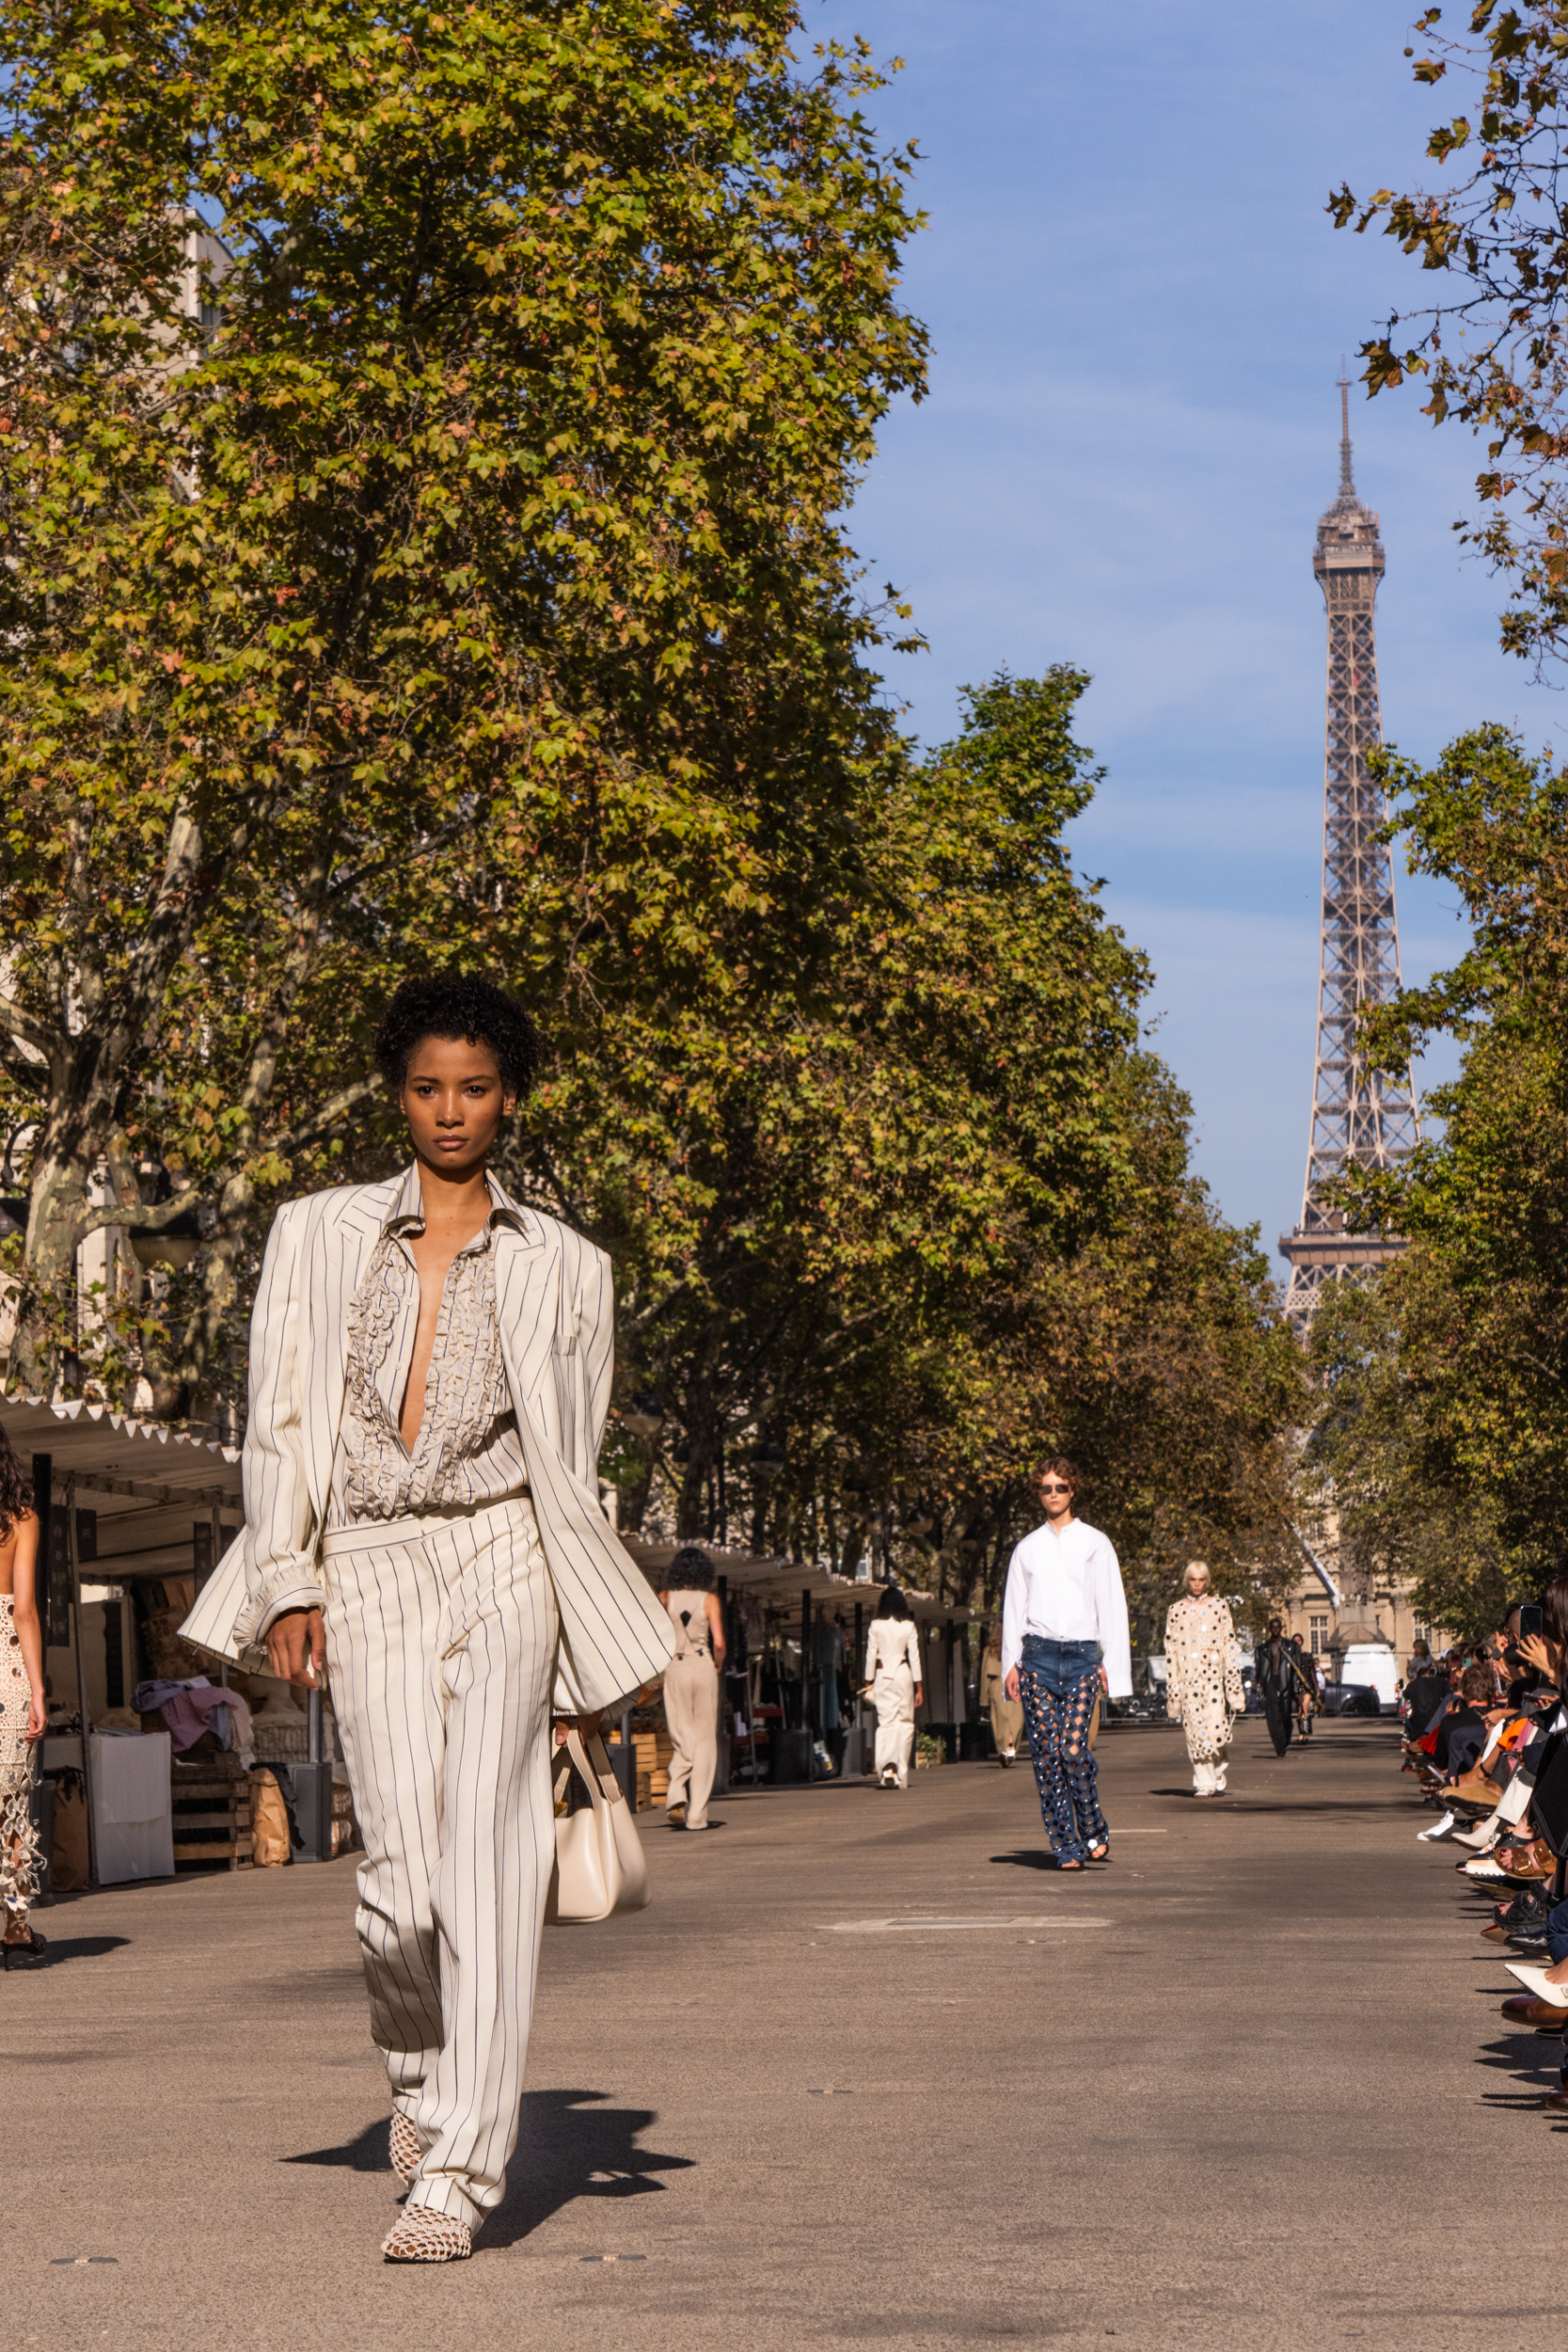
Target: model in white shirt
<point>1064,1590</point>
<point>1063,1583</point>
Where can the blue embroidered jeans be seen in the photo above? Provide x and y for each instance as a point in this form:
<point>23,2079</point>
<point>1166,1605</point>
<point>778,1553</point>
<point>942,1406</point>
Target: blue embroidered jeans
<point>1058,1681</point>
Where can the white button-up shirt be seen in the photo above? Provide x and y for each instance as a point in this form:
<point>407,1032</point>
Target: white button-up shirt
<point>1068,1588</point>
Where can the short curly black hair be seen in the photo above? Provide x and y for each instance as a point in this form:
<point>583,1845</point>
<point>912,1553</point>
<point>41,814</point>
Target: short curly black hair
<point>16,1487</point>
<point>690,1571</point>
<point>458,1005</point>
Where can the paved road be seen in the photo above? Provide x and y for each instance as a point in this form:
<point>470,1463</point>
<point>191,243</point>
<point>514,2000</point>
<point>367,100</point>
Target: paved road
<point>1221,2092</point>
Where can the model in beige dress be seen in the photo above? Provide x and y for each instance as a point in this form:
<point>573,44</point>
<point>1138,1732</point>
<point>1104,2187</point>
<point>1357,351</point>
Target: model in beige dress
<point>1006,1715</point>
<point>1203,1681</point>
<point>691,1682</point>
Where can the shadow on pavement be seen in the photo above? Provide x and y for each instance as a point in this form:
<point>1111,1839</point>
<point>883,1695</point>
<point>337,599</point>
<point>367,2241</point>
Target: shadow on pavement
<point>1522,2057</point>
<point>568,2149</point>
<point>80,1947</point>
<point>368,2154</point>
<point>1039,1858</point>
<point>1237,1802</point>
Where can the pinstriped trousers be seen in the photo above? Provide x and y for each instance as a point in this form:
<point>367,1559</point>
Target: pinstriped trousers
<point>440,1643</point>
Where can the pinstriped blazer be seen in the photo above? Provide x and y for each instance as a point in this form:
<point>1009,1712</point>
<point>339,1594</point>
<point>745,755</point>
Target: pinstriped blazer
<point>557,1314</point>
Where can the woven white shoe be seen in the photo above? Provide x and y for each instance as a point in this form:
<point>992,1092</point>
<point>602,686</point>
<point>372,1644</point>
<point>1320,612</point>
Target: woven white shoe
<point>419,2235</point>
<point>405,2148</point>
<point>1536,1982</point>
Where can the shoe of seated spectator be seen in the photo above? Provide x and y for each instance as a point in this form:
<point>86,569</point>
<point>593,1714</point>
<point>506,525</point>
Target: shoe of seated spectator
<point>1536,1982</point>
<point>1523,2009</point>
<point>1479,1839</point>
<point>1532,1861</point>
<point>1556,2103</point>
<point>1444,1827</point>
<point>1528,1908</point>
<point>1483,1868</point>
<point>1471,1809</point>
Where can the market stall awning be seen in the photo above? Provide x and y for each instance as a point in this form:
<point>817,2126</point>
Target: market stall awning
<point>779,1583</point>
<point>147,1485</point>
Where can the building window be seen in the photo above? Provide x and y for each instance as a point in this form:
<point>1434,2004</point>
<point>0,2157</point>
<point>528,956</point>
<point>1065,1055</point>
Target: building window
<point>1317,1631</point>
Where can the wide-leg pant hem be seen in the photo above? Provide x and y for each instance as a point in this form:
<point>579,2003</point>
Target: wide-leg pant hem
<point>442,1641</point>
<point>1066,1774</point>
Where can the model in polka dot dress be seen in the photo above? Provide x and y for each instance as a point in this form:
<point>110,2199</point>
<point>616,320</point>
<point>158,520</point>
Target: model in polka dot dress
<point>1203,1677</point>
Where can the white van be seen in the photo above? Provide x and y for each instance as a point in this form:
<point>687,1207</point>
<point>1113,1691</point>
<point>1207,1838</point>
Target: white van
<point>1375,1667</point>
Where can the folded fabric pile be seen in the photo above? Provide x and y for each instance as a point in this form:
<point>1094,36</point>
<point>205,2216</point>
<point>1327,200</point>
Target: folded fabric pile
<point>190,1708</point>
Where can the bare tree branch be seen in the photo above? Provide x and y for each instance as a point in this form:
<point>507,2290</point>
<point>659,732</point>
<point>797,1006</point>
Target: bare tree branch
<point>33,1076</point>
<point>321,1121</point>
<point>42,1035</point>
<point>135,1220</point>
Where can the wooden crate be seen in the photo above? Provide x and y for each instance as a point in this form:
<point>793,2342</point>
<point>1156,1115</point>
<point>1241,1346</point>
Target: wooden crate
<point>211,1816</point>
<point>654,1751</point>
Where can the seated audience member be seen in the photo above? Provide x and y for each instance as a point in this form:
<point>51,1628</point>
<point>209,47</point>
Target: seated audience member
<point>1462,1733</point>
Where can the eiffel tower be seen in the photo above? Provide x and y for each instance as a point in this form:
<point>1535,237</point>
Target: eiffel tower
<point>1360,1116</point>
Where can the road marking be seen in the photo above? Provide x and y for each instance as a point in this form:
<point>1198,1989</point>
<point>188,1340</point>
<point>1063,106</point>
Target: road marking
<point>1007,1919</point>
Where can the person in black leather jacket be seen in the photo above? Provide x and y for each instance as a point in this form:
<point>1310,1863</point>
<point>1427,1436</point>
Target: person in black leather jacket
<point>1274,1669</point>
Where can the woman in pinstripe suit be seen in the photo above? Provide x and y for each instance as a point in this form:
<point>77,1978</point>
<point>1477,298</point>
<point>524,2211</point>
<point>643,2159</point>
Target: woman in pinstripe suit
<point>430,1372</point>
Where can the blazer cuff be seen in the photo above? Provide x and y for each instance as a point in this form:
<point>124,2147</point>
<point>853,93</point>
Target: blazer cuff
<point>286,1586</point>
<point>567,1699</point>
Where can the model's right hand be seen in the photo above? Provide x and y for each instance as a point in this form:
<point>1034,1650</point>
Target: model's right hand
<point>296,1640</point>
<point>1010,1686</point>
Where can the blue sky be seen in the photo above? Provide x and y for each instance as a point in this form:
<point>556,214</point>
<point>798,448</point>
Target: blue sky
<point>1139,308</point>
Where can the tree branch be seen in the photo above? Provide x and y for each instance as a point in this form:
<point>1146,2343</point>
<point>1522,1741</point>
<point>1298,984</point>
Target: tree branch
<point>135,1220</point>
<point>42,1035</point>
<point>31,1075</point>
<point>321,1123</point>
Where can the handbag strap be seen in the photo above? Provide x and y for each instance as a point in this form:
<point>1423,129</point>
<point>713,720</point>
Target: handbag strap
<point>593,1767</point>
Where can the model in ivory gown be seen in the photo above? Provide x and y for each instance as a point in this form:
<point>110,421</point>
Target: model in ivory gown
<point>893,1670</point>
<point>1203,1681</point>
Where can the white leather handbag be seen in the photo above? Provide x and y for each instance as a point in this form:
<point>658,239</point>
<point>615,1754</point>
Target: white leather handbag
<point>599,1865</point>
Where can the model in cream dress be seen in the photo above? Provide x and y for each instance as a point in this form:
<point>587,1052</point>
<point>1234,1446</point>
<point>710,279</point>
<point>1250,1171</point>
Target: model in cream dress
<point>1203,1681</point>
<point>893,1669</point>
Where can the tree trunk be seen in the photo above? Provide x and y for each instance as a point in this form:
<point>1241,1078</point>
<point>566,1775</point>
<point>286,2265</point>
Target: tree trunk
<point>78,1129</point>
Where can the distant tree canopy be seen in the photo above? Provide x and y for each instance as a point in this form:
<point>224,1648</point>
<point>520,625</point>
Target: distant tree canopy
<point>947,1224</point>
<point>1446,1432</point>
<point>463,545</point>
<point>422,441</point>
<point>1443,1428</point>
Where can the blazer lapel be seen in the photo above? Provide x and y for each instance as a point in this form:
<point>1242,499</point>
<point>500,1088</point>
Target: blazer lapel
<point>526,1301</point>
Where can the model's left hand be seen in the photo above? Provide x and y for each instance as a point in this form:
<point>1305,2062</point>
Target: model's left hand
<point>1104,1682</point>
<point>37,1717</point>
<point>584,1725</point>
